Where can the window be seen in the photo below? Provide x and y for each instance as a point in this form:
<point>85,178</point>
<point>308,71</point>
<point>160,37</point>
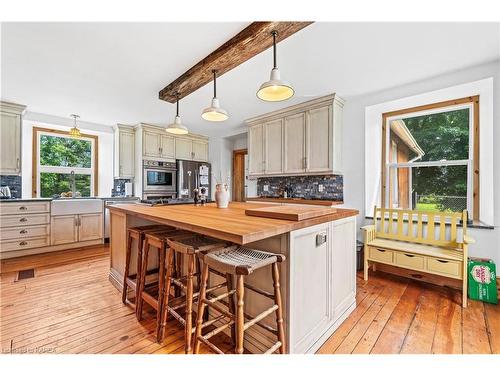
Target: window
<point>61,163</point>
<point>429,157</point>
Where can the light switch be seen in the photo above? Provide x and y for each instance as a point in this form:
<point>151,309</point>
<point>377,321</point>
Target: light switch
<point>266,187</point>
<point>321,188</point>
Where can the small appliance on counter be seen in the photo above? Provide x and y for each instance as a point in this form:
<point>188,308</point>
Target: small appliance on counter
<point>5,192</point>
<point>129,189</point>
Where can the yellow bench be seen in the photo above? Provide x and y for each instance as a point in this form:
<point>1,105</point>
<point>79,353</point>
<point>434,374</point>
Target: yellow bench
<point>425,241</point>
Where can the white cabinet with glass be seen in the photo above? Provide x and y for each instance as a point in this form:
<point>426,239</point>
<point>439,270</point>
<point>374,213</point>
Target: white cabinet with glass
<point>10,138</point>
<point>299,140</point>
<point>124,151</point>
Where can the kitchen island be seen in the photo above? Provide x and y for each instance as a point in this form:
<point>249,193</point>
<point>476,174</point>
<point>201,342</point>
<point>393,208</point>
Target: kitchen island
<point>318,276</point>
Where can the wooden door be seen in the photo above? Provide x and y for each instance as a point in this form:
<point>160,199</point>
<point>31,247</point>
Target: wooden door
<point>167,147</point>
<point>256,149</point>
<point>183,148</point>
<point>63,229</point>
<point>239,175</point>
<point>319,148</point>
<point>294,143</point>
<point>273,140</point>
<point>10,143</point>
<point>126,154</point>
<point>200,150</point>
<point>310,286</point>
<point>151,144</point>
<point>343,264</point>
<point>90,227</point>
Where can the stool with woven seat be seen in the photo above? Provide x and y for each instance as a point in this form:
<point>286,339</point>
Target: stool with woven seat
<point>240,261</point>
<point>186,249</point>
<point>137,234</point>
<point>154,295</point>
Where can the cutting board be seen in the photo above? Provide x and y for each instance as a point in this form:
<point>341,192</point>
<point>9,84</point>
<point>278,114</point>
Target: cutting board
<point>289,212</point>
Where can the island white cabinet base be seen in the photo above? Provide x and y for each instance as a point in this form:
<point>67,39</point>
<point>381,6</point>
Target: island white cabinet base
<point>318,280</point>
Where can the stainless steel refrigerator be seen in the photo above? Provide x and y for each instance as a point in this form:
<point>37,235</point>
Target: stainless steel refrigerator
<point>192,175</point>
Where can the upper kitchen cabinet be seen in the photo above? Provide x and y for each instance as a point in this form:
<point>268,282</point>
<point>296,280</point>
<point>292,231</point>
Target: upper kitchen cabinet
<point>10,138</point>
<point>124,151</point>
<point>310,143</point>
<point>191,147</point>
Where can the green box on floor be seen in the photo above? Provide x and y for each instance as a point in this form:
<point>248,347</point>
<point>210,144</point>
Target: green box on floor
<point>482,280</point>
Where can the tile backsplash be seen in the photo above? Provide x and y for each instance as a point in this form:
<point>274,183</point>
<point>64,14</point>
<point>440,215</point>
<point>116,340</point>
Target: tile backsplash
<point>15,184</point>
<point>303,186</point>
<point>119,183</point>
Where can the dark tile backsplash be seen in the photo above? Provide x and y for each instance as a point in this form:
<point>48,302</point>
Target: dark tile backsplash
<point>303,186</point>
<point>119,182</point>
<point>15,184</point>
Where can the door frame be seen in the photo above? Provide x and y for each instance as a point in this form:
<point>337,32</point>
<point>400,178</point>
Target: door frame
<point>241,174</point>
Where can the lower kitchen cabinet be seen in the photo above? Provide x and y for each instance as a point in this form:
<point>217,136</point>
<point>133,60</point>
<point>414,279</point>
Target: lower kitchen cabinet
<point>76,228</point>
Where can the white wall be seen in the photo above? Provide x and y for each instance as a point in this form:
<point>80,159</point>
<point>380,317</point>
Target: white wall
<point>105,148</point>
<point>240,141</point>
<point>220,157</point>
<point>488,241</point>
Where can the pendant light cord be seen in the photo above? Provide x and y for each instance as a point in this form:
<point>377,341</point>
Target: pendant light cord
<point>177,112</point>
<point>274,33</point>
<point>215,83</point>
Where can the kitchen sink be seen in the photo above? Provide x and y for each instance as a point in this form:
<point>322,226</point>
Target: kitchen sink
<point>75,206</point>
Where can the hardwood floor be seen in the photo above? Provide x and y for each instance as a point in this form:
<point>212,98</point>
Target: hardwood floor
<point>71,307</point>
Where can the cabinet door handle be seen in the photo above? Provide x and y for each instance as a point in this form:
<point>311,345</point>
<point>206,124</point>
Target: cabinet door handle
<point>23,243</point>
<point>18,163</point>
<point>382,251</point>
<point>409,255</point>
<point>23,220</point>
<point>24,231</point>
<point>442,261</point>
<point>23,208</point>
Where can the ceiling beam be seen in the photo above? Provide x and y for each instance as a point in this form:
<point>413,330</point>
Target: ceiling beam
<point>251,41</point>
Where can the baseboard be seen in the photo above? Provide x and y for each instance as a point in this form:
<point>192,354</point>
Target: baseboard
<point>48,249</point>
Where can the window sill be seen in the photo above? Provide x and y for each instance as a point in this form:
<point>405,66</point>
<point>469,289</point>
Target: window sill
<point>474,225</point>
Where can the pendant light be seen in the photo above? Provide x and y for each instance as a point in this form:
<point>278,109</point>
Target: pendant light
<point>74,132</point>
<point>275,90</point>
<point>176,127</point>
<point>215,112</point>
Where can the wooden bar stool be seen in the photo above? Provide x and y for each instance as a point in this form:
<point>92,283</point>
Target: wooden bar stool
<point>154,296</point>
<point>240,262</point>
<point>137,233</point>
<point>185,249</point>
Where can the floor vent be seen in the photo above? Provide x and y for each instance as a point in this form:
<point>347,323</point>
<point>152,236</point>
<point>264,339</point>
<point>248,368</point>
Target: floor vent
<point>26,274</point>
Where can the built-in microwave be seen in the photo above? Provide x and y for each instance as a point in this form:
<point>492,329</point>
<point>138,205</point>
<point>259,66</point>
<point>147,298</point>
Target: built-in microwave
<point>159,176</point>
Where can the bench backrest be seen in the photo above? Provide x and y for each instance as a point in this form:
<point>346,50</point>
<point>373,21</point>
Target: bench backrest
<point>425,227</point>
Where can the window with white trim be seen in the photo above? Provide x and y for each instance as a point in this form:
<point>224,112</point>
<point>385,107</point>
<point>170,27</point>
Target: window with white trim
<point>62,164</point>
<point>429,157</point>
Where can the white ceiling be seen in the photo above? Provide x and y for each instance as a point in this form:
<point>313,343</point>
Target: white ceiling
<point>111,72</point>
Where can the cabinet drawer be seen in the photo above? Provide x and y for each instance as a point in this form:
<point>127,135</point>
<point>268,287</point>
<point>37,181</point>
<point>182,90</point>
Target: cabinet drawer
<point>12,208</point>
<point>444,267</point>
<point>26,243</point>
<point>415,262</point>
<point>24,232</point>
<point>23,220</point>
<point>381,255</point>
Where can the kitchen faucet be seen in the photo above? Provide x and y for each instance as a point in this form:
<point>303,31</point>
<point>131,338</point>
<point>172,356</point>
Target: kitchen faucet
<point>73,184</point>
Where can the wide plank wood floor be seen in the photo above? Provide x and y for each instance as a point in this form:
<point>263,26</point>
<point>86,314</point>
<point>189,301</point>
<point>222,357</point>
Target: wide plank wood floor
<point>71,307</point>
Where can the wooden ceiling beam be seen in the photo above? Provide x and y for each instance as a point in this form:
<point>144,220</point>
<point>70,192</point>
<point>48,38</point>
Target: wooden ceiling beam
<point>248,43</point>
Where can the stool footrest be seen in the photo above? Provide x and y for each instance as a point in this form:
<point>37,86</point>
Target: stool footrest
<point>273,348</point>
<point>260,291</point>
<point>259,317</point>
<point>219,309</point>
<point>217,330</point>
<point>221,296</point>
<point>210,345</point>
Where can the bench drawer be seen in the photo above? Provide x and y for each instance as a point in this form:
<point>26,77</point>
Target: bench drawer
<point>445,267</point>
<point>415,262</point>
<point>23,220</point>
<point>381,255</point>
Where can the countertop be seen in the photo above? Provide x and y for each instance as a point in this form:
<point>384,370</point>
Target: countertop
<point>230,224</point>
<point>318,202</point>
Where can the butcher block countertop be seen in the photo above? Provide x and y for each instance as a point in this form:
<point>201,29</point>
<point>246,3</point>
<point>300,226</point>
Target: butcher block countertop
<point>230,224</point>
<point>316,202</point>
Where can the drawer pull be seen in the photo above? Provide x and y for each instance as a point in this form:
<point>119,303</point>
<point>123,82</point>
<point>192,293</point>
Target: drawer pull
<point>23,219</point>
<point>23,208</point>
<point>382,251</point>
<point>24,231</point>
<point>409,255</point>
<point>23,243</point>
<point>442,261</point>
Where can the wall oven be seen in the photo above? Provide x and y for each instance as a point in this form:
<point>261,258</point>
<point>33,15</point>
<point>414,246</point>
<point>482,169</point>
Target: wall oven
<point>159,177</point>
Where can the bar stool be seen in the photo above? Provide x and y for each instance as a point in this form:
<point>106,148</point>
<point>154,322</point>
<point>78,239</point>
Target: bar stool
<point>186,249</point>
<point>137,233</point>
<point>240,262</point>
<point>153,297</point>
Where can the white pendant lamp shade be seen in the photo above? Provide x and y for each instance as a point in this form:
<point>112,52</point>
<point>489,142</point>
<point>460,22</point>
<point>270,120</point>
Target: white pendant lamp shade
<point>177,127</point>
<point>275,90</point>
<point>214,112</point>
